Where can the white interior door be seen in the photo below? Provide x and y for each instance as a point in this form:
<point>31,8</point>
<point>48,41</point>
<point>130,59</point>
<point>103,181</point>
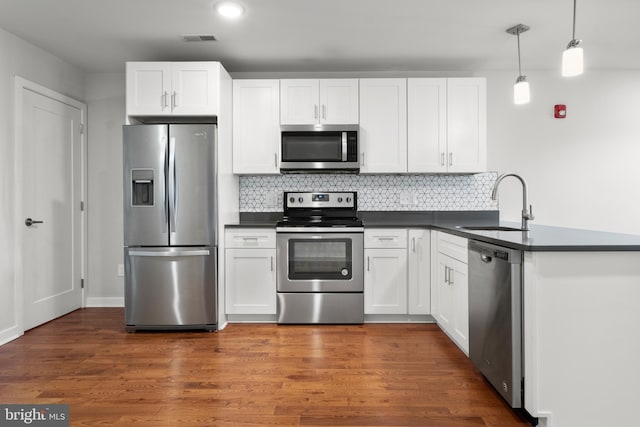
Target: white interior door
<point>51,192</point>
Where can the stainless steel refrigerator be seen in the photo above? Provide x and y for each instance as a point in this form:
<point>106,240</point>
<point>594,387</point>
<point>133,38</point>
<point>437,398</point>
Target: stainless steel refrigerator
<point>170,226</point>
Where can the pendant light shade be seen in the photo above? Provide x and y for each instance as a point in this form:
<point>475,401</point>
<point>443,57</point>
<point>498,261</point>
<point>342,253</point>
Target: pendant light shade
<point>573,57</point>
<point>572,60</point>
<point>521,93</point>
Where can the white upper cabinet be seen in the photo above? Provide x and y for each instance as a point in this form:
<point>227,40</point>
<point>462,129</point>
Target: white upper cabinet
<point>256,126</point>
<point>383,125</point>
<point>427,125</point>
<point>467,124</point>
<point>172,88</point>
<point>339,101</point>
<point>313,101</point>
<point>447,125</point>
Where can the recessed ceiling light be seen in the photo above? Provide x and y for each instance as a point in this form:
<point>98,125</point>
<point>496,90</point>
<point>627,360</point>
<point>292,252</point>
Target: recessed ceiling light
<point>229,9</point>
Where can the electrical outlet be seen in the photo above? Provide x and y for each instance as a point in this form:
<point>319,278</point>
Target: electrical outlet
<point>272,199</point>
<point>120,270</point>
<point>407,198</point>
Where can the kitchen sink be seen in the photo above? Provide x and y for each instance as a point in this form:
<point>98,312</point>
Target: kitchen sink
<point>490,228</point>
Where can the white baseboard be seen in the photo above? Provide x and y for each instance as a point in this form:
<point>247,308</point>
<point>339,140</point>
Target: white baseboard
<point>9,334</point>
<point>105,302</point>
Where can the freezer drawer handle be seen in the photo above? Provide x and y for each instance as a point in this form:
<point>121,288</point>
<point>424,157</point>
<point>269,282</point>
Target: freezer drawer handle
<point>171,254</point>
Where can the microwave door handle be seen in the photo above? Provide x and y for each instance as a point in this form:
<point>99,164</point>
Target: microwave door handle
<point>344,146</point>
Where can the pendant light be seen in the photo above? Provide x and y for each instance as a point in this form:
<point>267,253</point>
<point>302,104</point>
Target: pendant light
<point>572,57</point>
<point>521,93</point>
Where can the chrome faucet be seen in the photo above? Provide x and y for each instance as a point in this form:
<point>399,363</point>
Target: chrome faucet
<point>527,210</point>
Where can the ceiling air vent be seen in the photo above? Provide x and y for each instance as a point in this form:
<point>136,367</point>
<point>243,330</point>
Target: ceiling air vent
<point>199,38</point>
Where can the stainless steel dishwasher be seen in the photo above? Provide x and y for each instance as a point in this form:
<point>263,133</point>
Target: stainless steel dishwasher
<point>495,317</point>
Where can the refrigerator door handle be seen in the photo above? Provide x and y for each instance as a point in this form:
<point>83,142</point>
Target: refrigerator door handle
<point>165,225</point>
<point>173,196</point>
<point>201,252</point>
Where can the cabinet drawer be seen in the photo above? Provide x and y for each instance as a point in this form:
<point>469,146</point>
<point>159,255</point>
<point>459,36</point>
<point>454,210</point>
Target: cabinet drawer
<point>250,238</point>
<point>385,238</point>
<point>453,246</point>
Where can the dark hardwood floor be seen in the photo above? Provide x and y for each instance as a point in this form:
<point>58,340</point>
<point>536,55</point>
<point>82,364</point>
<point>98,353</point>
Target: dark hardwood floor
<point>248,375</point>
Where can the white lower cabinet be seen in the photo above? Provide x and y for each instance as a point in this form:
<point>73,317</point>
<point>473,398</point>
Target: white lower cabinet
<point>385,281</point>
<point>397,272</point>
<point>250,268</point>
<point>419,280</point>
<point>451,287</point>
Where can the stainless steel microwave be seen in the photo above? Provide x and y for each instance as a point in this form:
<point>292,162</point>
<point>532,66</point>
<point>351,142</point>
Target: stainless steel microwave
<point>319,148</point>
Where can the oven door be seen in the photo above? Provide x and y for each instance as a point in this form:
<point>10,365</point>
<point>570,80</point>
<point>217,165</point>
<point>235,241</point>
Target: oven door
<point>320,261</point>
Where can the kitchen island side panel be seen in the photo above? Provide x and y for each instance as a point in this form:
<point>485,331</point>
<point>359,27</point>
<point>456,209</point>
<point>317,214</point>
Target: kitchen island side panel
<point>581,345</point>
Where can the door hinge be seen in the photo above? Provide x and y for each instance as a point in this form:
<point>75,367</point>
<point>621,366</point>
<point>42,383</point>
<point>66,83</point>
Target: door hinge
<point>81,283</point>
<point>82,206</point>
<point>81,128</point>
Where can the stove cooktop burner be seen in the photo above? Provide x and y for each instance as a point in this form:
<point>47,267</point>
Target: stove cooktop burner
<point>316,209</point>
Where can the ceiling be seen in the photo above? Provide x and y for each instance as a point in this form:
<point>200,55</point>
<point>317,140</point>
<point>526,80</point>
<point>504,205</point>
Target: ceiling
<point>330,35</point>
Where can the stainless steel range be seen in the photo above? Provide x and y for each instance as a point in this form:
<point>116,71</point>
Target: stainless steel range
<point>320,252</point>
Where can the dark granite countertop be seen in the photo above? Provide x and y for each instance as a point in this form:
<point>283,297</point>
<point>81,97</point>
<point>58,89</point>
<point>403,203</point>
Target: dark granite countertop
<point>257,220</point>
<point>542,238</point>
<point>545,238</point>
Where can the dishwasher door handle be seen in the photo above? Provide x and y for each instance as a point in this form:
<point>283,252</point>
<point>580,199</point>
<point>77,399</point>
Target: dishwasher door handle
<point>486,258</point>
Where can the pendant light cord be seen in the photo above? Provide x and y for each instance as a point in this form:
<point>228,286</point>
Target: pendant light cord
<point>573,36</point>
<point>519,66</point>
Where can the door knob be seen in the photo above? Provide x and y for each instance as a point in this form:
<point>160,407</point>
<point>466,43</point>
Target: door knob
<point>29,222</point>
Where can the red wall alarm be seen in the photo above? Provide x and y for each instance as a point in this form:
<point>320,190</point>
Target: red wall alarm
<point>559,111</point>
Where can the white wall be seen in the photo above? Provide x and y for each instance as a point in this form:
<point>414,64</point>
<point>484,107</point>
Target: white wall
<point>583,171</point>
<point>105,95</point>
<point>19,58</point>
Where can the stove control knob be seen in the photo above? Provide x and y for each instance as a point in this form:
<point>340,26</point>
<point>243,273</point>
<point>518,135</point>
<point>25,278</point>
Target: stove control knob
<point>339,199</point>
<point>292,199</point>
<point>300,199</point>
<point>348,199</point>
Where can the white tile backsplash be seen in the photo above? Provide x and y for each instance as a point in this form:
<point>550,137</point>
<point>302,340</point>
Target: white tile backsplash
<point>376,192</point>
